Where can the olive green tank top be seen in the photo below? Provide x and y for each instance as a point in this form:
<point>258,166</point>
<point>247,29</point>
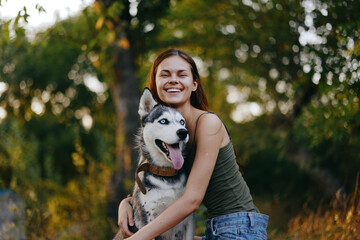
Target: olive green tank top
<point>227,191</point>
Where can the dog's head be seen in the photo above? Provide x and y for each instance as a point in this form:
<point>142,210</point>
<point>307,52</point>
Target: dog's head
<point>163,132</point>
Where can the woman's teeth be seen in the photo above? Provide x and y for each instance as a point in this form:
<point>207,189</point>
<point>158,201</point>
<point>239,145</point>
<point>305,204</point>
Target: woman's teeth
<point>173,90</point>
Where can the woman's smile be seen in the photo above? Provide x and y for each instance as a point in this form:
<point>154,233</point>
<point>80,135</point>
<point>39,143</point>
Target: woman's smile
<point>174,81</point>
<point>173,90</point>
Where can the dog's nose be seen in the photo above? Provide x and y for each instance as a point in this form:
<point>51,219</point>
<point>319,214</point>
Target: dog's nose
<point>182,133</point>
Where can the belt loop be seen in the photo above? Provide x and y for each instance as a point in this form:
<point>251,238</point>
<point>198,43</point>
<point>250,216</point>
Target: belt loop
<point>212,226</point>
<point>251,219</point>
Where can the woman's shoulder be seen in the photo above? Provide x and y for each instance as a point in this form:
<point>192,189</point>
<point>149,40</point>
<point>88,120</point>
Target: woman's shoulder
<point>209,123</point>
<point>209,117</point>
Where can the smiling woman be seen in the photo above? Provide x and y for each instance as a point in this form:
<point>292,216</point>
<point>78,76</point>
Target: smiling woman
<point>174,81</point>
<point>209,161</point>
<point>198,98</point>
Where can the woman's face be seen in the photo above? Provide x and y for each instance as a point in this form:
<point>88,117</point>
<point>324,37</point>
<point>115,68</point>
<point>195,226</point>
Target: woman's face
<point>174,81</point>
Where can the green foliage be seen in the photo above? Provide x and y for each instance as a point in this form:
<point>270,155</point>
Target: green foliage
<point>18,153</point>
<point>56,162</point>
<point>307,91</point>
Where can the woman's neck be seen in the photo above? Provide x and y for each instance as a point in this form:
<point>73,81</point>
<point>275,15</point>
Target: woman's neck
<point>190,113</point>
<point>187,111</point>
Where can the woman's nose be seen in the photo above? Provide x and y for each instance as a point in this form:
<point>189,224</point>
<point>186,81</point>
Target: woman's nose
<point>173,79</point>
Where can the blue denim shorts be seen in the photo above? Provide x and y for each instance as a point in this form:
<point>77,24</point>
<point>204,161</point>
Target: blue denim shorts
<point>241,226</point>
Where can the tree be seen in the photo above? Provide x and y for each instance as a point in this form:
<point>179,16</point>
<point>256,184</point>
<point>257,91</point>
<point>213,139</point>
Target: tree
<point>259,50</point>
<point>121,27</point>
<point>57,131</point>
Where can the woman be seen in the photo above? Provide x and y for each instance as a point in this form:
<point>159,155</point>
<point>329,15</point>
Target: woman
<point>214,176</point>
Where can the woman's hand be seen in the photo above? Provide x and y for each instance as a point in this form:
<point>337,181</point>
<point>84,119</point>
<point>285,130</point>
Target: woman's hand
<point>125,216</point>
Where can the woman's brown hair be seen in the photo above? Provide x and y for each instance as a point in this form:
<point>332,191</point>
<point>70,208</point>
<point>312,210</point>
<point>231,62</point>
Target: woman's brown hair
<point>198,98</point>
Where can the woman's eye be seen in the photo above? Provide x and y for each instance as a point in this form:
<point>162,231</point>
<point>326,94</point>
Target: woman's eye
<point>163,121</point>
<point>182,122</point>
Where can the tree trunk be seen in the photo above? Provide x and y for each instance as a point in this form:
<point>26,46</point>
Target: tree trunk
<point>330,185</point>
<point>125,97</point>
<point>301,157</point>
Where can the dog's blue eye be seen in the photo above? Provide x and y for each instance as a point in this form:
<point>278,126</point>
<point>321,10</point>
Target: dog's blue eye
<point>182,122</point>
<point>163,121</point>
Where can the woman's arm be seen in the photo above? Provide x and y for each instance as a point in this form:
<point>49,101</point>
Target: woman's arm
<point>209,138</point>
<point>125,216</point>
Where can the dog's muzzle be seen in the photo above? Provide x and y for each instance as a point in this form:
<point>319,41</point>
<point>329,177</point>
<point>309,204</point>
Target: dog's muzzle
<point>182,133</point>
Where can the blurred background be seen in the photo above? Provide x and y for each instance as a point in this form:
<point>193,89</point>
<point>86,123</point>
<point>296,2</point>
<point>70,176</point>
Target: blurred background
<point>282,74</point>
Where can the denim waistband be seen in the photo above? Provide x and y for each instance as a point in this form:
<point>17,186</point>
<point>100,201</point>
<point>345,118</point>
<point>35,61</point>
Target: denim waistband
<point>250,218</point>
<point>240,225</point>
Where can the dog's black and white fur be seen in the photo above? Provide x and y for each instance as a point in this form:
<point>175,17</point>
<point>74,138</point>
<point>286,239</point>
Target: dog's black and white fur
<point>162,137</point>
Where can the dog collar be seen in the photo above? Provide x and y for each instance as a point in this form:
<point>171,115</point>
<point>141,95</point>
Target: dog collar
<point>160,171</point>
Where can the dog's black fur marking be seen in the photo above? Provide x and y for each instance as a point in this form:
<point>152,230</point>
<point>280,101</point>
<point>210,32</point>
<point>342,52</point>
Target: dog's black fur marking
<point>155,114</point>
<point>150,117</point>
<point>173,179</point>
<point>133,229</point>
<point>146,154</point>
<point>143,214</point>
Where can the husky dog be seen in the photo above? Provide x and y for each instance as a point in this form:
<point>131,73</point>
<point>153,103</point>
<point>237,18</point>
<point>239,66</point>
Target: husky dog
<point>159,178</point>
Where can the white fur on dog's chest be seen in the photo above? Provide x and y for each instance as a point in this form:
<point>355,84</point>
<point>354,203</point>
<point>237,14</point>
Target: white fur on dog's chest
<point>157,199</point>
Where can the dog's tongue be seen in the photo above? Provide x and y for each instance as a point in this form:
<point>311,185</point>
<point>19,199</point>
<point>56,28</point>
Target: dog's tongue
<point>176,157</point>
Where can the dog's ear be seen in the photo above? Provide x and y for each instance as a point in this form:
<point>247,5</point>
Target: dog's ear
<point>147,103</point>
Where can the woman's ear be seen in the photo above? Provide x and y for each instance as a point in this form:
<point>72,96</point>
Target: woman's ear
<point>195,85</point>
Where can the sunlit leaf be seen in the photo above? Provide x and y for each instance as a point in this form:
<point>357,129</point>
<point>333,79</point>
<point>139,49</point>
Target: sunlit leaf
<point>124,43</point>
<point>110,25</point>
<point>99,23</point>
<point>97,7</point>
